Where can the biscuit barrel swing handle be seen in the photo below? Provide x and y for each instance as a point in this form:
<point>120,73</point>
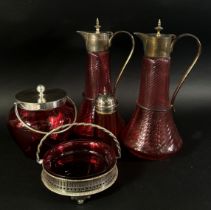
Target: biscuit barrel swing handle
<point>39,131</point>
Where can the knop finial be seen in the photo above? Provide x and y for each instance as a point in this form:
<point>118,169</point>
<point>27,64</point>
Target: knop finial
<point>97,26</point>
<point>159,28</point>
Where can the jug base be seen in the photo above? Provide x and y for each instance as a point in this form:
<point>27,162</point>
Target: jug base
<point>152,156</point>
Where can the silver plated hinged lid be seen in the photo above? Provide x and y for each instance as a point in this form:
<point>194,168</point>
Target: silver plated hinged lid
<point>40,98</point>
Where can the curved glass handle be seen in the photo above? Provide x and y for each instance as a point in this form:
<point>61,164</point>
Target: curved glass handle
<point>128,58</point>
<point>190,67</point>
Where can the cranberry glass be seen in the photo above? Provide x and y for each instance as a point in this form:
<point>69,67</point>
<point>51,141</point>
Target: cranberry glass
<point>97,82</point>
<point>112,122</point>
<point>79,159</point>
<point>151,132</point>
<point>97,78</point>
<point>44,120</point>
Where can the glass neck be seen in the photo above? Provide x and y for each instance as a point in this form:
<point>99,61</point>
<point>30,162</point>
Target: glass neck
<point>154,87</point>
<point>97,74</point>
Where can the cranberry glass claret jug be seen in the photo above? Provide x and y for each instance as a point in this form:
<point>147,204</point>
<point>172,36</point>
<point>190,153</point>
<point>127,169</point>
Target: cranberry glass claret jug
<point>35,113</point>
<point>151,133</point>
<point>97,80</point>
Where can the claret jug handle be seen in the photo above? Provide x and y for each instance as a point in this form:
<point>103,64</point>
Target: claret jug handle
<point>128,57</point>
<point>181,82</point>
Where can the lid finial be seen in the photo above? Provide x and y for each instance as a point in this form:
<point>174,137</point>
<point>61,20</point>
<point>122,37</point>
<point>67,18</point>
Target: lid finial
<point>159,28</point>
<point>41,90</point>
<point>97,26</point>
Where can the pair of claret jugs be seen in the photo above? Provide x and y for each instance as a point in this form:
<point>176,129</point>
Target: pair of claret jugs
<point>151,132</point>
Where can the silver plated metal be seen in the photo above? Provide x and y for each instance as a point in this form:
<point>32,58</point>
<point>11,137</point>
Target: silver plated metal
<point>41,99</point>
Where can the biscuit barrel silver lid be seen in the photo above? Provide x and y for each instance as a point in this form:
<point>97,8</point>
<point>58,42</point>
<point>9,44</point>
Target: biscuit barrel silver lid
<point>40,98</point>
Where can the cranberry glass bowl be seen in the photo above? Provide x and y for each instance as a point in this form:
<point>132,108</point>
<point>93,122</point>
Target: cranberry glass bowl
<point>79,159</point>
<point>80,167</point>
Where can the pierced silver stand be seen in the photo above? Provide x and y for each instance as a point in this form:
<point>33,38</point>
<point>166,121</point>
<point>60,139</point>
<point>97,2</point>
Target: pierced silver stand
<point>79,189</point>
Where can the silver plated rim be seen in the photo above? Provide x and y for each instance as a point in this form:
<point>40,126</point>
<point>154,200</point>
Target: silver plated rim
<point>41,106</point>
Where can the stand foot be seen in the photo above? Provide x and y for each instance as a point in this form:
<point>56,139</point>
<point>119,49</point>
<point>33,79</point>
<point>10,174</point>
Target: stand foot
<point>80,199</point>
